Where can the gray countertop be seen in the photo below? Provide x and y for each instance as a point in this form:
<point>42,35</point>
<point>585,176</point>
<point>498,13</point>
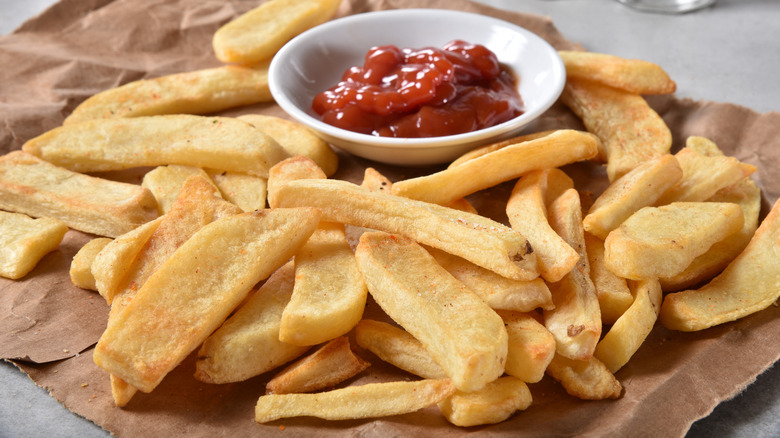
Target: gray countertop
<point>726,53</point>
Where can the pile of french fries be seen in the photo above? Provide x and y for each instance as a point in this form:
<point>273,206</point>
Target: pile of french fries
<point>239,246</point>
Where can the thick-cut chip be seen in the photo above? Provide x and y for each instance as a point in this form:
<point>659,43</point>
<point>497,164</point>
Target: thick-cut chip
<point>747,285</point>
<point>37,188</point>
<point>81,265</point>
<point>247,344</point>
<point>165,182</point>
<point>193,292</point>
<point>296,139</point>
<point>494,403</point>
<point>329,295</point>
<point>505,164</point>
<point>527,213</point>
<point>662,241</point>
<point>465,336</point>
<point>291,169</point>
<point>330,365</point>
<point>354,402</point>
<point>575,321</point>
<point>630,131</point>
<point>638,188</point>
<point>613,292</point>
<point>397,347</point>
<point>627,334</point>
<point>24,241</point>
<point>100,145</point>
<point>531,346</point>
<point>258,34</point>
<point>480,151</point>
<point>248,192</point>
<point>197,92</point>
<point>585,379</point>
<point>631,75</point>
<point>496,291</point>
<point>480,240</point>
<point>703,176</point>
<point>745,193</point>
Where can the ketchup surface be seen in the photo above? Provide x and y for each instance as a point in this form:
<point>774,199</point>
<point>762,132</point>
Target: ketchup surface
<point>426,92</point>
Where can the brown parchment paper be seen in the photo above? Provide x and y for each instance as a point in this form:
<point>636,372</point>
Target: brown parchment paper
<point>48,327</point>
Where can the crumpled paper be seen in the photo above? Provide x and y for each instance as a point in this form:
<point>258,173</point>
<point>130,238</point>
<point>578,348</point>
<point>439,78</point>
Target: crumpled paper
<point>48,326</point>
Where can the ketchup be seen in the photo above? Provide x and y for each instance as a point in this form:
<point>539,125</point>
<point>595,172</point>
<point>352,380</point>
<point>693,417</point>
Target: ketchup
<point>426,92</point>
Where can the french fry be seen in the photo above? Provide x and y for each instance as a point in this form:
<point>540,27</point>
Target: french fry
<point>354,402</point>
<point>704,267</point>
<point>662,241</point>
<point>557,149</point>
<point>496,291</point>
<point>531,346</point>
<point>258,34</point>
<point>242,250</point>
<point>640,187</point>
<point>613,292</point>
<point>463,335</point>
<point>248,344</point>
<point>627,334</point>
<point>632,75</point>
<point>494,403</point>
<point>704,175</point>
<point>396,346</point>
<point>527,213</point>
<point>248,192</point>
<point>748,284</point>
<point>291,169</point>
<point>630,131</point>
<point>329,295</point>
<point>575,321</point>
<point>165,182</point>
<point>330,365</point>
<point>480,151</point>
<point>585,379</point>
<point>475,238</point>
<point>296,139</point>
<point>37,188</point>
<point>101,145</point>
<point>24,241</point>
<point>196,92</point>
<point>81,266</point>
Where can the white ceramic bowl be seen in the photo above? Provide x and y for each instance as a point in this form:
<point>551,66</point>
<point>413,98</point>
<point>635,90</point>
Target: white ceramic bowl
<point>315,60</point>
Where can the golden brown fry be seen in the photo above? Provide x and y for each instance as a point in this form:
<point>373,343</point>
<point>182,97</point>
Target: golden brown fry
<point>81,266</point>
<point>248,192</point>
<point>480,151</point>
<point>631,75</point>
<point>258,34</point>
<point>480,240</point>
<point>397,347</point>
<point>527,213</point>
<point>531,346</point>
<point>353,402</point>
<point>248,344</point>
<point>640,187</point>
<point>24,241</point>
<point>243,249</point>
<point>613,292</point>
<point>575,321</point>
<point>465,336</point>
<point>330,365</point>
<point>630,330</point>
<point>557,149</point>
<point>494,403</point>
<point>747,285</point>
<point>165,182</point>
<point>662,241</point>
<point>630,131</point>
<point>38,188</point>
<point>196,92</point>
<point>100,145</point>
<point>296,139</point>
<point>585,379</point>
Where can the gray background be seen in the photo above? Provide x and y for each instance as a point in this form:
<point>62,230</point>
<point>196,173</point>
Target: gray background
<point>729,52</point>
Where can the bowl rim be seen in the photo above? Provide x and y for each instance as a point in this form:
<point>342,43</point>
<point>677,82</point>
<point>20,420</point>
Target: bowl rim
<point>372,141</point>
